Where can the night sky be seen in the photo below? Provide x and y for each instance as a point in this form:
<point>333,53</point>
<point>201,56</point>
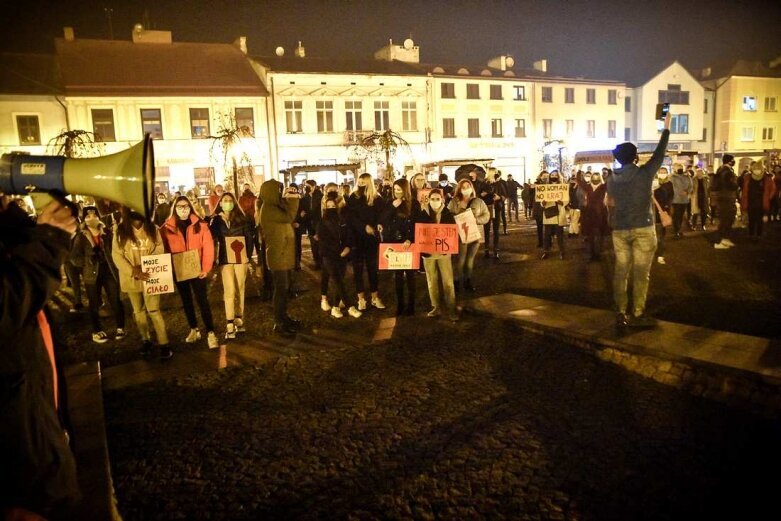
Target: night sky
<point>598,39</point>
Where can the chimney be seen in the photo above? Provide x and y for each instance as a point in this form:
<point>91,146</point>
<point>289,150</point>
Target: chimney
<point>706,72</point>
<point>502,63</point>
<point>69,34</point>
<point>241,43</point>
<point>541,65</point>
<point>300,52</point>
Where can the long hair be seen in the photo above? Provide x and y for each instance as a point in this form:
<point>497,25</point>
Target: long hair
<point>237,214</point>
<point>407,197</point>
<point>458,193</point>
<point>371,190</point>
<point>197,226</point>
<point>125,228</point>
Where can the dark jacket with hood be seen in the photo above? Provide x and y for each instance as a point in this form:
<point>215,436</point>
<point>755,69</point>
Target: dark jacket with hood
<point>240,226</point>
<point>334,235</point>
<point>37,469</point>
<point>91,256</point>
<point>359,214</point>
<point>276,225</point>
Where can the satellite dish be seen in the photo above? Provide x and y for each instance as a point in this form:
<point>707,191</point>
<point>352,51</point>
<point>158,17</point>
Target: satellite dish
<point>509,61</point>
<point>280,51</point>
<point>138,28</point>
<point>408,43</point>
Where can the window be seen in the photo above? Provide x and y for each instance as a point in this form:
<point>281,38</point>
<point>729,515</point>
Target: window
<point>547,128</point>
<point>152,123</point>
<point>611,129</point>
<point>448,127</point>
<point>591,128</point>
<point>448,90</point>
<point>293,110</point>
<point>496,128</point>
<point>749,103</point>
<point>381,115</point>
<point>612,97</point>
<point>591,96</point>
<point>520,128</point>
<point>496,92</point>
<point>770,104</point>
<point>570,127</point>
<point>674,95</point>
<point>29,130</point>
<point>705,106</point>
<point>199,123</point>
<point>472,91</point>
<point>409,115</point>
<point>628,104</point>
<point>473,126</point>
<point>245,119</point>
<point>627,134</point>
<point>103,124</point>
<point>767,134</point>
<point>519,93</point>
<point>747,134</point>
<point>325,116</point>
<point>569,95</point>
<point>679,124</point>
<point>547,94</point>
<point>353,115</point>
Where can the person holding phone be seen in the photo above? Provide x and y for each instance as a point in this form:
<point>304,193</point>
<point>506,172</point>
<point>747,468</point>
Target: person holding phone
<point>629,189</point>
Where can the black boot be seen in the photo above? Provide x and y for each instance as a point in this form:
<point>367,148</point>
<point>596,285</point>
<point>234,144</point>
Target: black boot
<point>457,285</point>
<point>468,286</point>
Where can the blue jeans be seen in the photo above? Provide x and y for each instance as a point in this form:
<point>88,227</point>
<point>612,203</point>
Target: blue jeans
<point>634,249</point>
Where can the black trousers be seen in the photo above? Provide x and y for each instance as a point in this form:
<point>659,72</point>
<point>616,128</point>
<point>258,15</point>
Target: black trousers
<point>550,231</point>
<point>499,212</point>
<point>281,286</point>
<point>755,216</point>
<point>315,245</point>
<point>199,287</point>
<point>334,269</point>
<point>678,211</point>
<point>513,199</point>
<point>727,213</point>
<point>74,278</point>
<point>402,278</point>
<point>366,255</point>
<point>493,224</point>
<point>105,281</point>
<point>538,223</point>
<point>299,235</point>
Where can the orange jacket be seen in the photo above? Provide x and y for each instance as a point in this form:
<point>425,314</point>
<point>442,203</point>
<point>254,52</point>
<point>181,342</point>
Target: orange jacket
<point>768,191</point>
<point>202,241</point>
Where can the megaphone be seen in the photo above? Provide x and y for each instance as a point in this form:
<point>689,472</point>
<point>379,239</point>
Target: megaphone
<point>126,177</point>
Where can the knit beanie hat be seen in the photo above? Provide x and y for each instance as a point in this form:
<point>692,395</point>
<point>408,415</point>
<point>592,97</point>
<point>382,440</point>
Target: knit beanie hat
<point>727,158</point>
<point>625,153</point>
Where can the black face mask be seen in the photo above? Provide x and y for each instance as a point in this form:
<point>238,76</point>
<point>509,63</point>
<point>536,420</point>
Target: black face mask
<point>331,214</point>
<point>361,190</point>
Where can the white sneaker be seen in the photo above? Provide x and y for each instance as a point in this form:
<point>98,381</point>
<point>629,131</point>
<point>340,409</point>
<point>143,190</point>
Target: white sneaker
<point>433,313</point>
<point>212,341</point>
<point>341,304</point>
<point>661,260</point>
<point>362,304</point>
<point>336,312</point>
<point>354,312</point>
<point>230,331</point>
<point>324,305</point>
<point>721,246</point>
<point>377,303</point>
<point>120,334</point>
<point>194,336</point>
<point>100,337</point>
<point>239,324</point>
<point>728,243</point>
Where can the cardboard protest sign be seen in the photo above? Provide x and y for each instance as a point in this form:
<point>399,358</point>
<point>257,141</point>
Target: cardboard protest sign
<point>437,238</point>
<point>423,196</point>
<point>161,274</point>
<point>551,193</point>
<point>187,265</point>
<point>395,257</point>
<point>468,229</point>
<point>236,250</point>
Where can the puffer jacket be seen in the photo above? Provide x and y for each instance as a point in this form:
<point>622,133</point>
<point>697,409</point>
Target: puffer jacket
<point>478,207</point>
<point>198,238</point>
<point>128,256</point>
<point>276,226</point>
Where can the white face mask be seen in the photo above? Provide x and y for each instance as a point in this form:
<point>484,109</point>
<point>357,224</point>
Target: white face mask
<point>435,204</point>
<point>467,192</point>
<point>663,176</point>
<point>183,213</point>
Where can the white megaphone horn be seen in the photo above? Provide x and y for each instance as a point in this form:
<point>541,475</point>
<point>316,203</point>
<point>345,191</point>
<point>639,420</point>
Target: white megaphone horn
<point>126,177</point>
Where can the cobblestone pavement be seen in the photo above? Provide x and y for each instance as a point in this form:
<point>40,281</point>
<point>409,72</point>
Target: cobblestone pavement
<point>472,421</point>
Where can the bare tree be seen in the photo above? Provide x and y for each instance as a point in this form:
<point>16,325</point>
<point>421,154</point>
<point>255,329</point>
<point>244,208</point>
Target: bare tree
<point>227,148</point>
<point>76,143</point>
<point>379,145</point>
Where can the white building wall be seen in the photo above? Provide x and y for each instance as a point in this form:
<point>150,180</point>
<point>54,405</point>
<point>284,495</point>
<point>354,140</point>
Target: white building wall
<point>51,120</point>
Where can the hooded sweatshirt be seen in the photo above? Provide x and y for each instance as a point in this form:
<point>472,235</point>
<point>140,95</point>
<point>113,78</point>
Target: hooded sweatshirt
<point>276,224</point>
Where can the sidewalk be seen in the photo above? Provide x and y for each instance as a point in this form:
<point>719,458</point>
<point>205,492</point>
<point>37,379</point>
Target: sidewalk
<point>715,364</point>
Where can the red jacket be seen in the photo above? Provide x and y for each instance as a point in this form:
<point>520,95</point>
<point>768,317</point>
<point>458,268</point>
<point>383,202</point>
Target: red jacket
<point>247,203</point>
<point>202,241</point>
<point>767,195</point>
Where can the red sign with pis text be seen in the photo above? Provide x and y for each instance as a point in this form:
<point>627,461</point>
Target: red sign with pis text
<point>437,238</point>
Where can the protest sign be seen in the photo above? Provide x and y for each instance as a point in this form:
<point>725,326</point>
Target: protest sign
<point>393,256</point>
<point>161,274</point>
<point>437,238</point>
<point>187,265</point>
<point>551,193</point>
<point>236,250</point>
<point>468,229</point>
<point>423,196</point>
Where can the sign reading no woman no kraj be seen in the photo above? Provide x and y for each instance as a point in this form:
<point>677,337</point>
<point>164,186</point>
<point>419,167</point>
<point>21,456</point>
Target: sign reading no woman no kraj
<point>550,193</point>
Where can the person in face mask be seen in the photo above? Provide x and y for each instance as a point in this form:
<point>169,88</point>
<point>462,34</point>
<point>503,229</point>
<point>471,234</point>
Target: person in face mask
<point>663,193</point>
<point>335,247</point>
<point>554,218</point>
<point>332,192</point>
<point>465,200</point>
<point>593,213</point>
<point>229,223</point>
<point>542,179</point>
<point>162,210</point>
<point>446,187</point>
<point>398,221</point>
<point>136,237</point>
<point>682,189</point>
<point>725,187</point>
<point>700,205</point>
<point>439,267</point>
<point>92,253</point>
<point>755,197</point>
<point>214,198</point>
<point>184,231</point>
